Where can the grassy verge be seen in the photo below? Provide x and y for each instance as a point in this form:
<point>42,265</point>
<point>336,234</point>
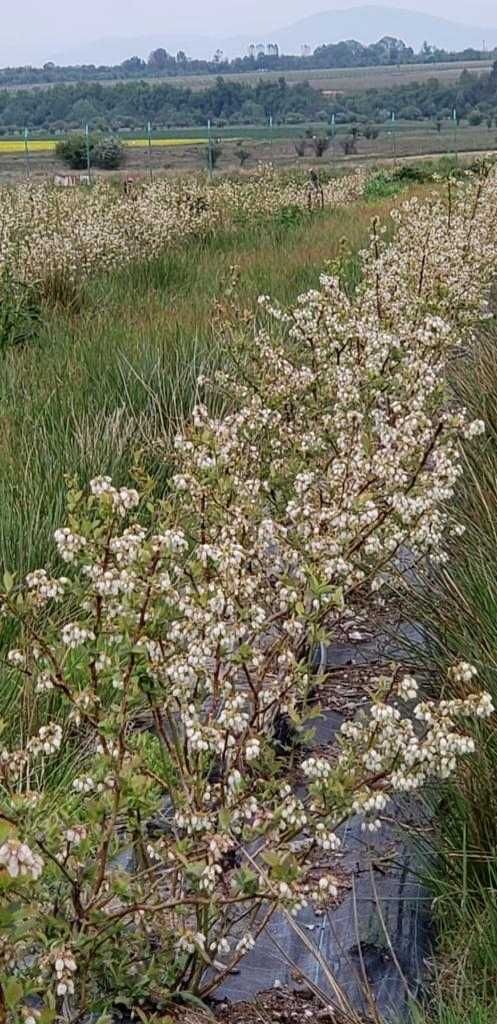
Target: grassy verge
<point>461,615</point>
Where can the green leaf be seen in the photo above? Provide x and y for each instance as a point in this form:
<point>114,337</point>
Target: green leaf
<point>6,830</point>
<point>188,997</point>
<point>46,1016</point>
<point>13,992</point>
<point>8,581</point>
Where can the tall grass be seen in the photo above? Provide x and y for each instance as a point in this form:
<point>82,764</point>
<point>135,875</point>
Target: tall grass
<point>460,613</point>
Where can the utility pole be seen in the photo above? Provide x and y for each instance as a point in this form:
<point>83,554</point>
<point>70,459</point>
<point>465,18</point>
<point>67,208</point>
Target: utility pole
<point>88,160</point>
<point>209,149</point>
<point>455,122</point>
<point>26,154</point>
<point>149,134</point>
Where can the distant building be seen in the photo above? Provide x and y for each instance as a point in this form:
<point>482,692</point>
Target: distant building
<point>70,180</point>
<point>305,50</point>
<point>252,50</point>
<point>260,49</point>
<point>272,50</point>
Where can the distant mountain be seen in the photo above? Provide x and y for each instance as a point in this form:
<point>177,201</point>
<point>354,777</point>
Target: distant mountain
<point>366,24</point>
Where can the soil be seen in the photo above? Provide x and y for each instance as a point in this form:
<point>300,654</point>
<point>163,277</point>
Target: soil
<point>276,1007</point>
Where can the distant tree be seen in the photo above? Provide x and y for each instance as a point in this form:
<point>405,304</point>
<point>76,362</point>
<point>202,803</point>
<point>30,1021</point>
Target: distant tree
<point>300,146</point>
<point>160,59</point>
<point>181,57</point>
<point>349,145</point>
<point>370,132</point>
<point>242,154</point>
<point>73,151</point>
<point>108,154</point>
<point>83,112</point>
<point>320,143</point>
<point>133,65</point>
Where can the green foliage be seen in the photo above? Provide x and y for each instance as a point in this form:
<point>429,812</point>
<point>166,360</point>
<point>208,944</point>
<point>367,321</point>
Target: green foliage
<point>370,132</point>
<point>105,152</point>
<point>123,104</point>
<point>382,186</point>
<point>461,608</point>
<point>108,154</point>
<point>289,216</point>
<point>73,151</point>
<point>20,316</point>
<point>385,184</point>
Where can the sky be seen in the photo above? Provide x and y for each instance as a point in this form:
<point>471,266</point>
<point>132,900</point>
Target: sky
<point>37,30</point>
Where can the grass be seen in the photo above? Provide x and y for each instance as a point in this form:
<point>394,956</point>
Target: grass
<point>460,612</point>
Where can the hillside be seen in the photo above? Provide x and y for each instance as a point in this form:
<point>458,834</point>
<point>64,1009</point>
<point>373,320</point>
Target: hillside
<point>366,24</point>
<point>370,22</point>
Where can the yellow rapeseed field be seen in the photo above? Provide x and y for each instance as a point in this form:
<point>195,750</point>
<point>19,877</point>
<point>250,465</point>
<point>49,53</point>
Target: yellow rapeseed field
<point>38,145</point>
<point>48,145</point>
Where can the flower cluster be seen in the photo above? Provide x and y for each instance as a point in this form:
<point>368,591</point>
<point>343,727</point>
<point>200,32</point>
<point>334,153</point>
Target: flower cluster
<point>19,860</point>
<point>47,232</point>
<point>193,623</point>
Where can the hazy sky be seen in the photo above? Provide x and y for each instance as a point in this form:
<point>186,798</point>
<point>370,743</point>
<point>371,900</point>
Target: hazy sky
<point>42,28</point>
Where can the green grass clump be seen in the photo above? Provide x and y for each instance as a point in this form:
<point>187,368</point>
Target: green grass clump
<point>460,612</point>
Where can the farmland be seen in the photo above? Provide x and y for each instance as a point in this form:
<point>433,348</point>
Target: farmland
<point>348,80</point>
<point>352,80</point>
<point>176,152</point>
<point>233,411</point>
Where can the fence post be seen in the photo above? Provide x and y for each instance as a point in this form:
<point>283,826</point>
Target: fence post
<point>209,150</point>
<point>456,125</point>
<point>26,153</point>
<point>88,160</point>
<point>149,133</point>
<point>394,140</point>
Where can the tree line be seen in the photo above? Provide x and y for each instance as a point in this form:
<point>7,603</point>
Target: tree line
<point>129,105</point>
<point>160,63</point>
